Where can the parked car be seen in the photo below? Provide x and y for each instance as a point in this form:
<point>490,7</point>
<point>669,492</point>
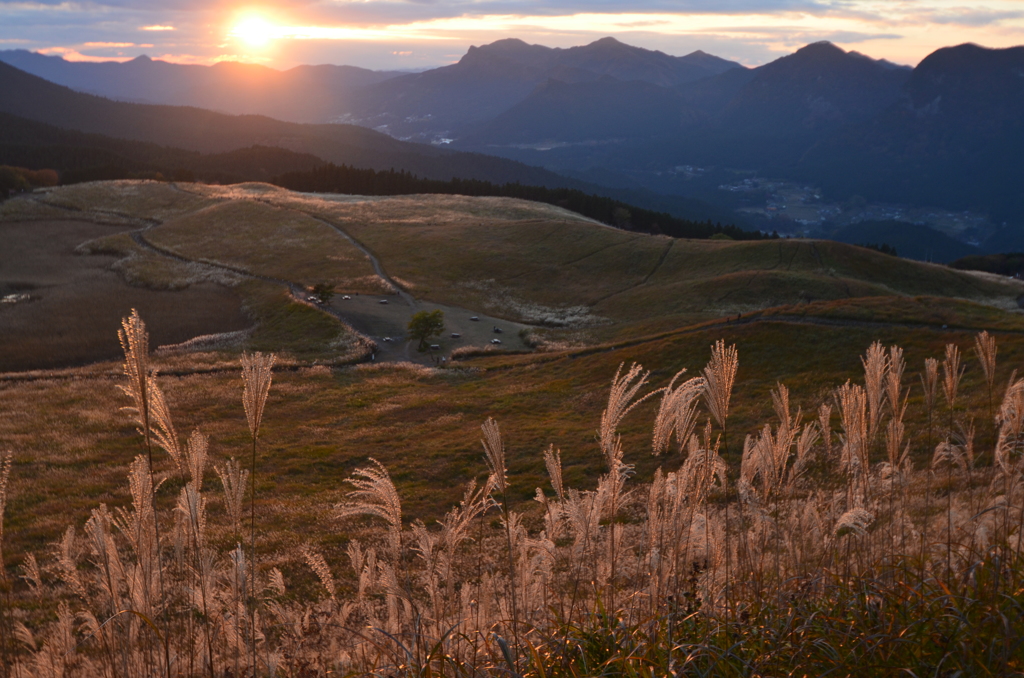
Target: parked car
<point>495,341</point>
<point>497,330</point>
<point>383,301</point>
<point>456,335</point>
<point>387,338</point>
<point>345,297</point>
<point>435,347</point>
<point>474,318</point>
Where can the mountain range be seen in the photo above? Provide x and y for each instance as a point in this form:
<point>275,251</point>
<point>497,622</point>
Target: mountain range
<point>311,94</point>
<point>948,133</point>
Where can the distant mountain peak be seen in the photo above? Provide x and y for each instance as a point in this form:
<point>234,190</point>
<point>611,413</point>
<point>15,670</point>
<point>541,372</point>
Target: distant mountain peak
<point>608,40</point>
<point>142,58</point>
<point>821,48</point>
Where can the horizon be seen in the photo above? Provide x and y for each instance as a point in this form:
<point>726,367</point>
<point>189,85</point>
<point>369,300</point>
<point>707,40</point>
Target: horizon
<point>385,35</point>
<point>71,59</point>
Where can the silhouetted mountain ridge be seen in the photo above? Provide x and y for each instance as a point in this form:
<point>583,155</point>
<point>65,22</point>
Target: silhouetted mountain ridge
<point>301,94</point>
<point>489,80</point>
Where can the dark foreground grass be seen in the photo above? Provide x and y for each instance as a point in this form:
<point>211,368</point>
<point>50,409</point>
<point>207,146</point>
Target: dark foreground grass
<point>897,624</point>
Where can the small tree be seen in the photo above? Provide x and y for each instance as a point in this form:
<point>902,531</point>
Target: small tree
<point>323,292</point>
<point>426,324</point>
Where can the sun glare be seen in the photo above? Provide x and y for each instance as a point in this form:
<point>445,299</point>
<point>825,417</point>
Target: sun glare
<point>254,31</point>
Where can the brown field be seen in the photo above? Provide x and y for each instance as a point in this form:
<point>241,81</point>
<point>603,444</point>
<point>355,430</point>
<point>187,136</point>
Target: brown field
<point>595,299</point>
<point>77,302</point>
<point>424,423</point>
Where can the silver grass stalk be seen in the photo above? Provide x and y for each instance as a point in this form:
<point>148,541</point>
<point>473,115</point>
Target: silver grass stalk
<point>952,372</point>
<point>135,344</point>
<point>256,374</point>
<point>825,427</point>
<point>319,566</point>
<point>192,507</point>
<point>855,521</point>
<point>985,348</point>
<point>677,414</point>
<point>6,459</point>
<point>233,479</point>
<point>719,377</point>
<point>198,450</point>
<point>494,453</point>
<point>620,403</point>
<point>32,575</point>
<point>951,455</point>
<point>930,382</point>
<point>164,434</point>
<point>553,462</point>
<point>852,402</point>
<point>894,382</point>
<point>375,495</point>
<point>876,364</point>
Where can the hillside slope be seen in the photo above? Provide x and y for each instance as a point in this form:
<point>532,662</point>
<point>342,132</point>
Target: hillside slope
<point>195,129</point>
<point>312,94</point>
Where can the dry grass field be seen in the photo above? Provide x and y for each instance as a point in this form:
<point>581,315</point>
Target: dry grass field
<point>596,299</point>
<point>554,268</point>
<point>71,443</point>
<point>74,300</point>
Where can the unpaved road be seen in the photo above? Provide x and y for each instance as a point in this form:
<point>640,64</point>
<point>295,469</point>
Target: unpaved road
<point>384,323</point>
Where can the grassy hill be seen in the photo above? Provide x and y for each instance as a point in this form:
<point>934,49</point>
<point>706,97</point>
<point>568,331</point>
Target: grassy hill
<point>525,262</point>
<point>529,264</point>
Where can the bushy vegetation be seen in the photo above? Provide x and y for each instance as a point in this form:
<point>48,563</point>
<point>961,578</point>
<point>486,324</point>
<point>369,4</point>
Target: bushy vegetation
<point>825,551</point>
<point>331,178</point>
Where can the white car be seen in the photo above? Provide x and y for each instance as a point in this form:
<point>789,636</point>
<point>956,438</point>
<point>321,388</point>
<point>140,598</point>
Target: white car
<point>387,338</point>
<point>383,301</point>
<point>474,318</point>
<point>345,297</point>
<point>495,341</point>
<point>456,335</point>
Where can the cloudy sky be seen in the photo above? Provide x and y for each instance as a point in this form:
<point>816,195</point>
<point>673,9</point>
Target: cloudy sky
<point>416,34</point>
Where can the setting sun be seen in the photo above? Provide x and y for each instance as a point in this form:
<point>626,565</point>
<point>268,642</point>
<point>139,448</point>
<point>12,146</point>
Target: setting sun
<point>254,31</point>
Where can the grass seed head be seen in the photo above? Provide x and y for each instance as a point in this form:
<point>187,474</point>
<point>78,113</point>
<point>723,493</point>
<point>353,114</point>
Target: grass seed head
<point>256,375</point>
<point>719,377</point>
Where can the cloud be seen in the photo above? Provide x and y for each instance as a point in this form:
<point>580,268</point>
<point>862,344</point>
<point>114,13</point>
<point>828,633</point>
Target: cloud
<point>971,17</point>
<point>157,28</point>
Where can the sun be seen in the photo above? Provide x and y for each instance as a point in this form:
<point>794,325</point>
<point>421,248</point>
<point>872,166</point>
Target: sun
<point>255,31</point>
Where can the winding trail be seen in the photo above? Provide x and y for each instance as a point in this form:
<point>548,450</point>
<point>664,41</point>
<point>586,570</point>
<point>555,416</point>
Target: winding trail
<point>298,293</point>
<point>377,267</point>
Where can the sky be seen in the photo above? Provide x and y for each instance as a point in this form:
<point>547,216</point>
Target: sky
<point>420,34</point>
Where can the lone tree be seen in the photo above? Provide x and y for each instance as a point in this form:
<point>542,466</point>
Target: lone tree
<point>323,292</point>
<point>426,324</point>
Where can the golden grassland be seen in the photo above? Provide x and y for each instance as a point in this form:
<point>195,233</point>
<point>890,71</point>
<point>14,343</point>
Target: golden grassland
<point>801,528</point>
<point>420,422</point>
<point>794,559</point>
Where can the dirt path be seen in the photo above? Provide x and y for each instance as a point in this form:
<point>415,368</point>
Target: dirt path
<point>373,316</point>
<point>377,267</point>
